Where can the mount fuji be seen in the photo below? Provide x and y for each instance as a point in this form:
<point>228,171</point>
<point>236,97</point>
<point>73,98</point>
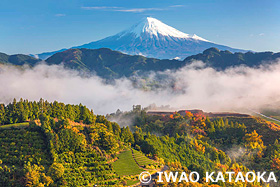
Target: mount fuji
<point>152,38</point>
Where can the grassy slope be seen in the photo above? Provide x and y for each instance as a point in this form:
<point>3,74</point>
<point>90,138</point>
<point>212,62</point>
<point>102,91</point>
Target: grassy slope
<point>126,165</point>
<point>15,125</point>
<point>141,159</point>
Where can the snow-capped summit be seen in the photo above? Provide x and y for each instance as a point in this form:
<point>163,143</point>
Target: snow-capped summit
<point>152,26</point>
<point>152,38</point>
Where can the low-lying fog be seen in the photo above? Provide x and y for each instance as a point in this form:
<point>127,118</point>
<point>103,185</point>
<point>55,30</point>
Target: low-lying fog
<point>195,87</point>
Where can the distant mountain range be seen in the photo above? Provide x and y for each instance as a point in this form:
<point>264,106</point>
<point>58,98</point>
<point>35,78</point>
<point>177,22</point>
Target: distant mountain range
<point>18,59</point>
<point>110,64</point>
<point>152,38</point>
<point>113,64</point>
<point>221,60</point>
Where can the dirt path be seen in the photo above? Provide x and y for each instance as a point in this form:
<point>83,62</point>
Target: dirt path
<point>154,176</point>
<point>266,116</point>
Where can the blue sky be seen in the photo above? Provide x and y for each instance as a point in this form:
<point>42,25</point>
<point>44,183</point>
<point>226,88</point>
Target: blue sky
<point>34,26</point>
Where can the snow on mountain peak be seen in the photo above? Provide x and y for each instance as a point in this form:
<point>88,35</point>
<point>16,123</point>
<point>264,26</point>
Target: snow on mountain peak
<point>152,38</point>
<point>154,27</point>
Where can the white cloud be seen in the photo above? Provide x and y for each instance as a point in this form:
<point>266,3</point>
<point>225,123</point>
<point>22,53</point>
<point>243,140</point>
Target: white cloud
<point>137,10</point>
<point>132,10</point>
<point>261,34</point>
<point>100,8</point>
<point>176,6</point>
<point>60,15</point>
<point>195,87</point>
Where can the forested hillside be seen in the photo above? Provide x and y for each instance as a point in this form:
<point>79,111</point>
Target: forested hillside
<point>208,144</point>
<point>63,145</point>
<point>56,144</point>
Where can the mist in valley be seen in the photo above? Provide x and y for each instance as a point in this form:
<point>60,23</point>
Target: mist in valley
<point>194,86</point>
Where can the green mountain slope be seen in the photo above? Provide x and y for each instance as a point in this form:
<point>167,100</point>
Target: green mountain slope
<point>107,63</point>
<point>113,64</point>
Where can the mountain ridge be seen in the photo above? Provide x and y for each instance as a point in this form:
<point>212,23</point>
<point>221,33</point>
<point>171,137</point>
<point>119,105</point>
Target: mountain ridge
<point>18,59</point>
<point>110,64</point>
<point>114,64</point>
